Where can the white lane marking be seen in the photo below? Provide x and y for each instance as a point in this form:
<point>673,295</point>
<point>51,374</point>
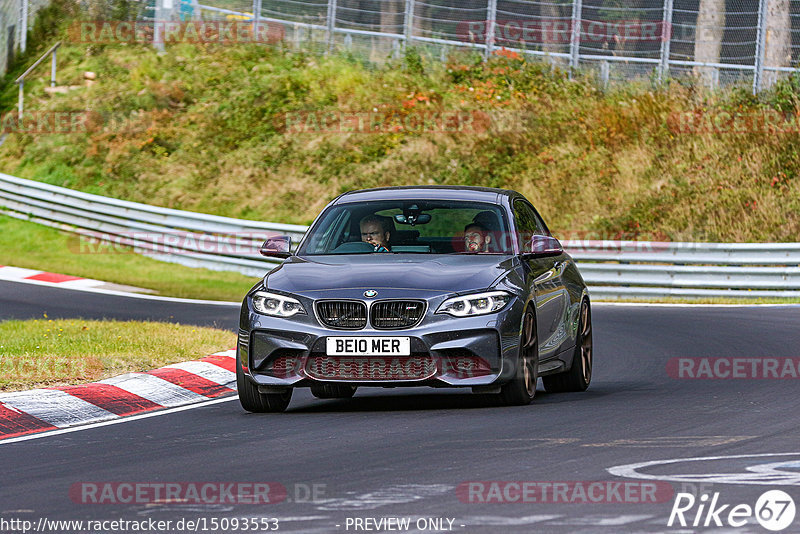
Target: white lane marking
<point>154,389</point>
<point>15,273</point>
<point>602,521</point>
<point>230,353</point>
<point>209,371</point>
<point>672,441</point>
<point>125,294</point>
<point>55,407</point>
<point>117,421</point>
<point>400,494</point>
<point>790,478</point>
<point>683,305</point>
<point>83,282</point>
<point>490,520</point>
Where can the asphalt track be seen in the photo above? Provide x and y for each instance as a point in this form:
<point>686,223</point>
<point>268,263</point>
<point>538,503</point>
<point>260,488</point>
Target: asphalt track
<point>402,453</point>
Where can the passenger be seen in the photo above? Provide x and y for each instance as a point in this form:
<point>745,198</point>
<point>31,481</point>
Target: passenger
<point>498,240</point>
<point>376,231</point>
<point>476,238</point>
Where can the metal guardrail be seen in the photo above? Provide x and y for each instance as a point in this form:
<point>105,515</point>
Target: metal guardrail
<point>188,238</point>
<point>613,269</point>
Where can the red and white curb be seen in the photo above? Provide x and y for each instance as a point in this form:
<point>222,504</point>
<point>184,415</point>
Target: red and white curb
<point>39,410</point>
<point>62,280</point>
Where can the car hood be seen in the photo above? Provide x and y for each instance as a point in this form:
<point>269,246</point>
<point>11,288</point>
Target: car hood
<point>439,274</point>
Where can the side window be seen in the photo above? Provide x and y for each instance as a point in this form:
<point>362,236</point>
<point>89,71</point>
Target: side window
<point>528,224</point>
<point>543,230</point>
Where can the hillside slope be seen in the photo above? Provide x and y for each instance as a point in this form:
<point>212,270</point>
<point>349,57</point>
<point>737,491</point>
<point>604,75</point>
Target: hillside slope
<point>251,131</point>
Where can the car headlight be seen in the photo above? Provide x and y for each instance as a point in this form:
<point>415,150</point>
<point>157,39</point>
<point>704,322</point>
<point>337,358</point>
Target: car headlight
<point>477,304</point>
<point>276,305</point>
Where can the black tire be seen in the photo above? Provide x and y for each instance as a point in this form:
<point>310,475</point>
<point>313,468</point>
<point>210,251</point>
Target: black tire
<point>254,401</point>
<point>333,391</point>
<point>579,376</point>
<point>521,390</point>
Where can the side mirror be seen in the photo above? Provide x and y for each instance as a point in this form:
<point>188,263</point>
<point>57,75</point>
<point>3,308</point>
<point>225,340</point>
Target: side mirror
<point>544,245</point>
<point>277,247</point>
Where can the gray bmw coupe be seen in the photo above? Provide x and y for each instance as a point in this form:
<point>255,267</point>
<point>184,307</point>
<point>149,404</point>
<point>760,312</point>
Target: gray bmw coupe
<point>417,286</point>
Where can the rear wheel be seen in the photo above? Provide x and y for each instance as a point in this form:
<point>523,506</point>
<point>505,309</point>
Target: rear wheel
<point>580,374</point>
<point>254,401</point>
<point>332,391</point>
<point>522,388</point>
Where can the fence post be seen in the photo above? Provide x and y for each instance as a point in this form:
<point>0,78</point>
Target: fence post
<point>23,25</point>
<point>575,38</point>
<point>256,18</point>
<point>491,19</point>
<point>163,15</point>
<point>331,23</point>
<point>21,98</point>
<point>761,39</point>
<point>666,38</point>
<point>53,69</point>
<point>408,23</point>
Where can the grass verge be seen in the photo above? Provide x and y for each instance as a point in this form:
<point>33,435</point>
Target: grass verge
<point>47,352</point>
<point>33,246</point>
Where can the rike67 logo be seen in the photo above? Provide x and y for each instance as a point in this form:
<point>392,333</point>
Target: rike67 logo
<point>774,510</point>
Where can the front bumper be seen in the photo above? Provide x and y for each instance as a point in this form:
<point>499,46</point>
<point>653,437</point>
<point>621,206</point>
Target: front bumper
<point>445,351</point>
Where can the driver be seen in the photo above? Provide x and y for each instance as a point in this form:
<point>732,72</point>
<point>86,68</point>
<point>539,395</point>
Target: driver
<point>476,238</point>
<point>376,231</point>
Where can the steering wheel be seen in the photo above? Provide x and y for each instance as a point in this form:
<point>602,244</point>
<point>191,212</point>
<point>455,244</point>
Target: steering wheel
<point>353,246</point>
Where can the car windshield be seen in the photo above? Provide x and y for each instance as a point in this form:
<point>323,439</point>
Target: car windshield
<point>410,227</point>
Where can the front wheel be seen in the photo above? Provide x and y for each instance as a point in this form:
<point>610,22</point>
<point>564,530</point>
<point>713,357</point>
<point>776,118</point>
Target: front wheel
<point>254,401</point>
<point>580,374</point>
<point>522,388</point>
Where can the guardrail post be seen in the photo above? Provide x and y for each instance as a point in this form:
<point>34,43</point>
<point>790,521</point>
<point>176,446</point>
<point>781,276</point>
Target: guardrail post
<point>408,23</point>
<point>761,40</point>
<point>331,23</point>
<point>575,38</point>
<point>604,73</point>
<point>491,20</point>
<point>666,38</point>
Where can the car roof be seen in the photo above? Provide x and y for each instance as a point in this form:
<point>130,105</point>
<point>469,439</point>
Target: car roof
<point>433,192</point>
